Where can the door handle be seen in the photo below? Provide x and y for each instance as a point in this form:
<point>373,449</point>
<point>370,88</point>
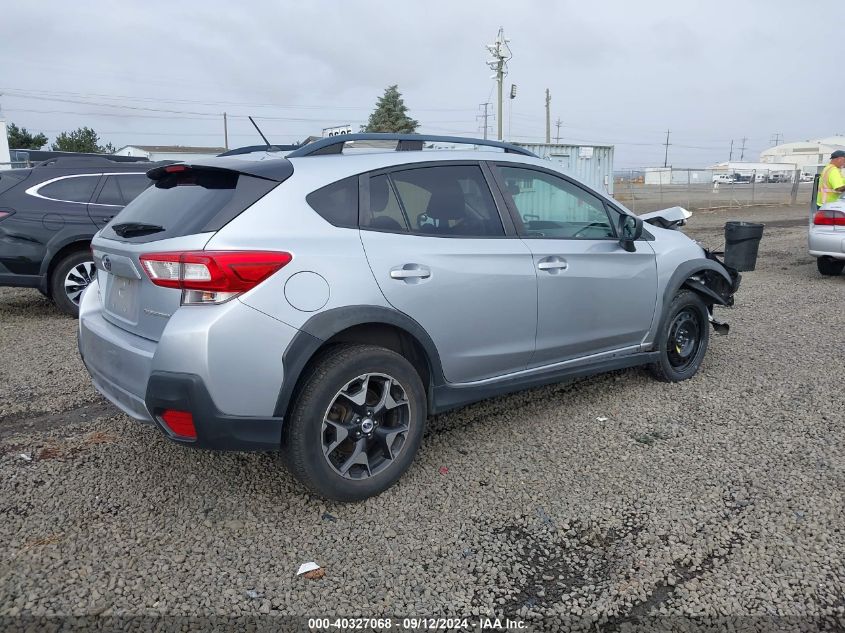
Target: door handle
<point>552,264</point>
<point>410,271</point>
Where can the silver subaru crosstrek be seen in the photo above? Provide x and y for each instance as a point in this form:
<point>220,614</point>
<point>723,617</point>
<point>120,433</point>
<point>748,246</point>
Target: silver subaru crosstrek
<point>325,303</point>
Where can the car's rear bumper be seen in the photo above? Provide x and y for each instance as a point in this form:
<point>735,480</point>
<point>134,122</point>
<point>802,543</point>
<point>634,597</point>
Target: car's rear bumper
<point>827,243</point>
<point>215,430</point>
<point>119,362</point>
<point>231,351</point>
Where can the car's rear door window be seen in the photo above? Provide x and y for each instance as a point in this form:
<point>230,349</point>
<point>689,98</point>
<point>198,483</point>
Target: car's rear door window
<point>448,200</point>
<point>110,193</point>
<point>385,213</point>
<point>132,185</point>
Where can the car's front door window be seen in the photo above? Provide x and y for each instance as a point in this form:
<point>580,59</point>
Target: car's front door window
<point>553,207</point>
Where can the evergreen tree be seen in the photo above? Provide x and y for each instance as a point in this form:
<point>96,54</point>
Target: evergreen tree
<point>391,114</point>
<point>21,138</point>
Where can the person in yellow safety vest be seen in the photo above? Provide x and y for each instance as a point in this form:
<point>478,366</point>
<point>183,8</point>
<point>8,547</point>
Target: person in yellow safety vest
<point>831,182</point>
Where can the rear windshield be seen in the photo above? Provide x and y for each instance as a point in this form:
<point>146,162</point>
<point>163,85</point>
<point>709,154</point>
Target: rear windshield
<point>185,203</point>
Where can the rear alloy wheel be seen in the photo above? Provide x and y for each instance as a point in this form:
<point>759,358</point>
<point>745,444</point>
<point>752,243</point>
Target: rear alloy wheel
<point>71,276</point>
<point>683,338</point>
<point>830,267</point>
<point>357,422</point>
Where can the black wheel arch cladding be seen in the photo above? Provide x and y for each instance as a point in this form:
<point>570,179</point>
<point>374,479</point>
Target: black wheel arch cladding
<point>323,326</point>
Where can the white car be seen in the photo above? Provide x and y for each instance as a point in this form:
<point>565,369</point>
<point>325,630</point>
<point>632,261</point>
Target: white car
<point>827,238</point>
<point>724,179</point>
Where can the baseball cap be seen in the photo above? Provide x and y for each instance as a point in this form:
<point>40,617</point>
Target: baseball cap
<point>837,154</point>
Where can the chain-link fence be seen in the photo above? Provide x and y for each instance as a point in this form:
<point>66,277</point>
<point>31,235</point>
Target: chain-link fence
<point>643,190</point>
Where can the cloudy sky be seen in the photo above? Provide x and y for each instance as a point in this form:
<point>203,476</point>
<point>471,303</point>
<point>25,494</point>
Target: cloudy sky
<point>620,72</point>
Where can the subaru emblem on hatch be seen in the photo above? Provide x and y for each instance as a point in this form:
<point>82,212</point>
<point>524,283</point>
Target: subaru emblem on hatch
<point>107,263</point>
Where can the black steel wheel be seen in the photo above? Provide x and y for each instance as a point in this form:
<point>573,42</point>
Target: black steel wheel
<point>682,339</point>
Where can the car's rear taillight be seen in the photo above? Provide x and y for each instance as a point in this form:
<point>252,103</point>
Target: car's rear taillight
<point>5,213</point>
<point>829,217</point>
<point>212,276</point>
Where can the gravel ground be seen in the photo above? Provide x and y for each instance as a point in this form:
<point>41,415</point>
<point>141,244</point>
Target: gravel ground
<point>615,498</point>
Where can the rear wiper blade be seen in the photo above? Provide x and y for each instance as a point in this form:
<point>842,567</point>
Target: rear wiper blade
<point>130,229</point>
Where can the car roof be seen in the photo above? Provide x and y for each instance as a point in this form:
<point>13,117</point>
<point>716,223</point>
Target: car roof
<point>341,165</point>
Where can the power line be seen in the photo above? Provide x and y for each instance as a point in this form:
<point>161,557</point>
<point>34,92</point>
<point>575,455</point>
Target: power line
<point>46,93</point>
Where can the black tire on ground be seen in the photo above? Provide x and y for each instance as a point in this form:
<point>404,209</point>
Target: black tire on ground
<point>830,267</point>
<point>683,338</point>
<point>80,266</point>
<point>324,414</point>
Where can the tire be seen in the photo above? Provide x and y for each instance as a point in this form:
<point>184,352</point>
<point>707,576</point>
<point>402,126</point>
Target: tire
<point>683,338</point>
<point>332,444</point>
<point>830,267</point>
<point>69,278</point>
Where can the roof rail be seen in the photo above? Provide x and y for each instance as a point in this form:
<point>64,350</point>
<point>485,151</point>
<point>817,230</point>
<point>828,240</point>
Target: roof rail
<point>69,161</point>
<point>249,149</point>
<point>405,142</point>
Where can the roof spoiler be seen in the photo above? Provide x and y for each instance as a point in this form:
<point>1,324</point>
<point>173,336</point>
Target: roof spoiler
<point>277,169</point>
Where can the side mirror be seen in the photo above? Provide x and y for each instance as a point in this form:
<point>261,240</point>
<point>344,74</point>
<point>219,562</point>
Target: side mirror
<point>630,230</point>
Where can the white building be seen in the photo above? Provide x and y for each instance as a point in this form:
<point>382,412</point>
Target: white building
<point>747,169</point>
<point>5,158</point>
<point>169,152</point>
<point>806,155</point>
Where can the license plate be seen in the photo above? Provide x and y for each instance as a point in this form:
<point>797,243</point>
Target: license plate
<point>122,298</point>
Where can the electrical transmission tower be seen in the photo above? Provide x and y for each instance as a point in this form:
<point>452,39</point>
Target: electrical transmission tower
<point>776,139</point>
<point>500,54</point>
<point>558,123</point>
<point>742,149</point>
<point>484,116</point>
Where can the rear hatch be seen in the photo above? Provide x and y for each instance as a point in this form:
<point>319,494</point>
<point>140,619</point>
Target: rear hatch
<point>187,204</point>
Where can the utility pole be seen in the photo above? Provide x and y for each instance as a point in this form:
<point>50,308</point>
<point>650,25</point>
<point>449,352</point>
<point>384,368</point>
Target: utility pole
<point>666,154</point>
<point>484,116</point>
<point>742,149</point>
<point>731,155</point>
<point>225,131</point>
<point>548,118</point>
<point>775,140</point>
<point>558,123</point>
<point>501,53</point>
